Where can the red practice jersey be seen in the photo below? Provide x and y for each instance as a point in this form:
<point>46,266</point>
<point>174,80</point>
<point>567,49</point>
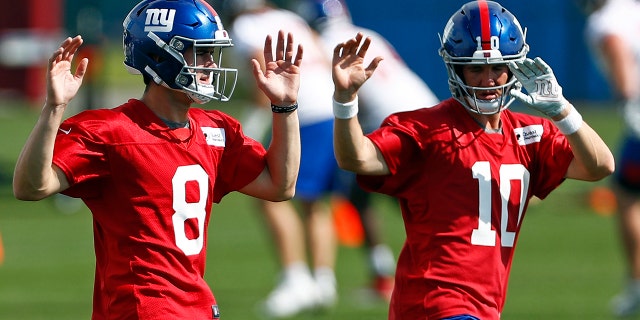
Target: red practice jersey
<point>150,192</point>
<point>463,194</point>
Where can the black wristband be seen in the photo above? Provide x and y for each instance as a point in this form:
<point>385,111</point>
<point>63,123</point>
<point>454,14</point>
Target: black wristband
<point>278,109</point>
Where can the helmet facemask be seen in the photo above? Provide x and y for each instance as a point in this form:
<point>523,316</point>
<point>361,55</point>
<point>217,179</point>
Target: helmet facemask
<point>466,94</point>
<point>217,79</point>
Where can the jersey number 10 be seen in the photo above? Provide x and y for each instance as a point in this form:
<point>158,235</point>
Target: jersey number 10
<point>484,235</point>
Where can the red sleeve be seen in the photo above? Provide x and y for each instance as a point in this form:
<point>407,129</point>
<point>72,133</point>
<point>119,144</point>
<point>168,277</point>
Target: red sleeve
<point>552,167</point>
<point>398,145</point>
<point>243,160</point>
<point>81,155</point>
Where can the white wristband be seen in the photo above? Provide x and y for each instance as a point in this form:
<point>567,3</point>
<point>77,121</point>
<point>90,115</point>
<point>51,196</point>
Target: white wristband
<point>345,110</point>
<point>571,123</point>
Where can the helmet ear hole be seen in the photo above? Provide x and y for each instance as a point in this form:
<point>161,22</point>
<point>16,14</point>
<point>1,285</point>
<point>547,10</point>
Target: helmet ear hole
<point>155,58</point>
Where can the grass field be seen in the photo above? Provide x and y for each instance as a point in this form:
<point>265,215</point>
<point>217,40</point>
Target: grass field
<point>568,264</point>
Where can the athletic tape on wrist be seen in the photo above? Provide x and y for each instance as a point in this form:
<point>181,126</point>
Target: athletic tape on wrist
<point>345,110</point>
<point>571,123</point>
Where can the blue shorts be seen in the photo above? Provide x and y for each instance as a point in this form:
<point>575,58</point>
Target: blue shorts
<point>318,166</point>
<point>628,164</point>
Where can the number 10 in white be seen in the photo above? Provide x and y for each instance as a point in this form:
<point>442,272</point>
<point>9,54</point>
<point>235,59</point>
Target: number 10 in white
<point>484,235</point>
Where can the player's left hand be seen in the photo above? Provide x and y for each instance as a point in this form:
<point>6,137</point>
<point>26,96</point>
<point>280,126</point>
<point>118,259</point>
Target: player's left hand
<point>281,79</point>
<point>348,70</point>
<point>543,91</point>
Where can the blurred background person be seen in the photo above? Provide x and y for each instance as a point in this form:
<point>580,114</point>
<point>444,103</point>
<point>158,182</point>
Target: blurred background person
<point>302,285</point>
<point>613,35</point>
<point>332,19</point>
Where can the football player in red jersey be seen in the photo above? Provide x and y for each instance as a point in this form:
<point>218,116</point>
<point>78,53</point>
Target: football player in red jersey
<point>464,171</point>
<point>151,169</point>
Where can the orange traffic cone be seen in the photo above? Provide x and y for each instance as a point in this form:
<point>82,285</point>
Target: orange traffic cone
<point>347,223</point>
<point>603,201</point>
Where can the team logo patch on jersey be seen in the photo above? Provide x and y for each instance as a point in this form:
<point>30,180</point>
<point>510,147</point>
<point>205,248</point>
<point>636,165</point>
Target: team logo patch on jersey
<point>529,134</point>
<point>159,20</point>
<point>214,136</point>
<point>215,312</point>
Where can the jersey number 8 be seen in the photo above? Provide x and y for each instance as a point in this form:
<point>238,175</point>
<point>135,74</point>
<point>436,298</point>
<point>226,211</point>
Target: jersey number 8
<point>185,210</point>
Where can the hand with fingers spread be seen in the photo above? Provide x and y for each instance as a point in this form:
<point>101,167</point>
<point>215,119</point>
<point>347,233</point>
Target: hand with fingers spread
<point>349,72</point>
<point>62,85</point>
<point>544,92</point>
<point>281,79</point>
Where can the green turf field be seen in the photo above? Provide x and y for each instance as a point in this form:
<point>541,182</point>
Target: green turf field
<point>568,264</point>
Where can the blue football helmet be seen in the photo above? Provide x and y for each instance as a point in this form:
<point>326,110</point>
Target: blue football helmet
<point>482,32</point>
<point>158,33</point>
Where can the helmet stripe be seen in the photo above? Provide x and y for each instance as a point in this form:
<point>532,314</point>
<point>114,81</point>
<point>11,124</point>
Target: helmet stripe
<point>208,6</point>
<point>485,27</point>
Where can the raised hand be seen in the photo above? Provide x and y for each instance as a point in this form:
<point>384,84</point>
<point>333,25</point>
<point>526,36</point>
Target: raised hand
<point>544,92</point>
<point>349,72</point>
<point>281,79</point>
<point>62,86</point>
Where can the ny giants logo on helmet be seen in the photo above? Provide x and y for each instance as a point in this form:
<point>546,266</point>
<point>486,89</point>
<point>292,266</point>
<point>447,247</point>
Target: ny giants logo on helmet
<point>159,20</point>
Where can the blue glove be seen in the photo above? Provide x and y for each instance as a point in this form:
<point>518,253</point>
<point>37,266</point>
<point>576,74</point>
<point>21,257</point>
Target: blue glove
<point>543,91</point>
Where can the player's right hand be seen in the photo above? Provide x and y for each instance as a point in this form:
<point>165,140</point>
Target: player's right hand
<point>62,86</point>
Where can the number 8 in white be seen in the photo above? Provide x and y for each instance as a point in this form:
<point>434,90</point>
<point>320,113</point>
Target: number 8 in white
<point>483,235</point>
<point>185,211</point>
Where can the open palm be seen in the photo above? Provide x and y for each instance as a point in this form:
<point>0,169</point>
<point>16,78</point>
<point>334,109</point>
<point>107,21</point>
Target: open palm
<point>62,85</point>
<point>349,72</point>
<point>281,79</point>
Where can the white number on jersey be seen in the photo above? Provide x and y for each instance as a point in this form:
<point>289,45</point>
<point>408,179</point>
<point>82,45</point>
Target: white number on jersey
<point>484,235</point>
<point>185,211</point>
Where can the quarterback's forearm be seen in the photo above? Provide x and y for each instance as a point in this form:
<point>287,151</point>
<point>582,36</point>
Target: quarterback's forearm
<point>592,158</point>
<point>34,176</point>
<point>283,155</point>
<point>354,151</point>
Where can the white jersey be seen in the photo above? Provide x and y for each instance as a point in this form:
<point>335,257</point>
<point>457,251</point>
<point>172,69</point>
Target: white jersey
<point>316,86</point>
<point>619,17</point>
<point>394,87</point>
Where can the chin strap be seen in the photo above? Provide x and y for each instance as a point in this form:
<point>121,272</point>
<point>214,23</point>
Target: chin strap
<point>155,76</point>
